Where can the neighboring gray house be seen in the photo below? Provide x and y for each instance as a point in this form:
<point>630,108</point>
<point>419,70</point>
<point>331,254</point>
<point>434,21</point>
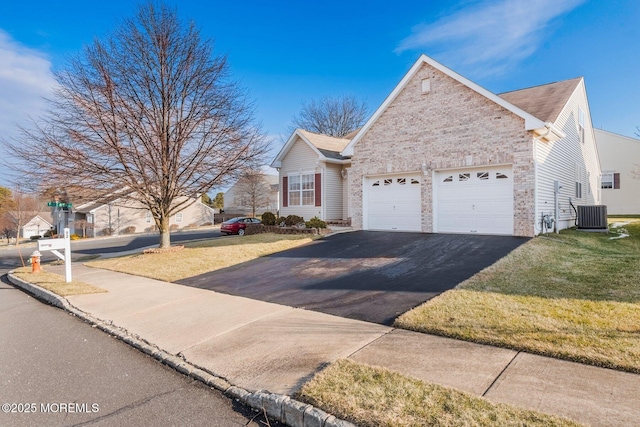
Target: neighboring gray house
<point>444,155</point>
<point>620,182</point>
<point>237,200</point>
<point>121,215</point>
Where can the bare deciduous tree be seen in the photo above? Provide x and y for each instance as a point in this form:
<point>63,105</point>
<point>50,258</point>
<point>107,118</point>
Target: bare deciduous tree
<point>150,109</point>
<point>332,116</point>
<point>254,190</point>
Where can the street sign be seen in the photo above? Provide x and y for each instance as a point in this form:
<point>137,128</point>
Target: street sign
<point>59,205</point>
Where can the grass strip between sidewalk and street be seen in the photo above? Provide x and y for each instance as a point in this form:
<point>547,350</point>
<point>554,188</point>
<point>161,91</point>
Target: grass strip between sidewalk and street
<point>202,257</point>
<point>56,283</point>
<point>573,295</point>
<point>374,396</point>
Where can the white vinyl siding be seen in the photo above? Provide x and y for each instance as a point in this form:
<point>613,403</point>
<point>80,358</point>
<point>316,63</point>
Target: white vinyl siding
<point>561,160</point>
<point>619,155</point>
<point>300,159</point>
<point>332,193</point>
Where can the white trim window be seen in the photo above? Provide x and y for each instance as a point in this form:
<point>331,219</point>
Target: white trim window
<point>178,218</point>
<point>579,180</point>
<point>302,189</point>
<point>147,218</point>
<point>607,179</point>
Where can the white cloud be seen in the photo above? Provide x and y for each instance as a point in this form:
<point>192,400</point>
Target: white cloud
<point>25,78</point>
<point>490,35</point>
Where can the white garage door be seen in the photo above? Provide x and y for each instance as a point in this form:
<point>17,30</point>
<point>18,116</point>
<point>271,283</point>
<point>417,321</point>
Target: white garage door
<point>475,200</point>
<point>393,202</point>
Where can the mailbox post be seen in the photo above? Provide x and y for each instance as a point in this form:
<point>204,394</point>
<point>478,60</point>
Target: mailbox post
<point>53,245</point>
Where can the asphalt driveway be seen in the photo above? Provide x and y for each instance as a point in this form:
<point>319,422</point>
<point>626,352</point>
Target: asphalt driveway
<point>371,276</point>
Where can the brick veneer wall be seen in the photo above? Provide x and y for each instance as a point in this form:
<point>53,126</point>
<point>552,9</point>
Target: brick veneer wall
<point>451,126</point>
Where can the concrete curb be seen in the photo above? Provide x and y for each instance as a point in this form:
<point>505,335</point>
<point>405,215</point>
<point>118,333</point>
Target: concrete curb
<point>277,406</point>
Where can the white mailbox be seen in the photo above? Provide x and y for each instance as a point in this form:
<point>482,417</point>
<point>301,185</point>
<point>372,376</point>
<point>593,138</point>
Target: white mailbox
<point>53,245</point>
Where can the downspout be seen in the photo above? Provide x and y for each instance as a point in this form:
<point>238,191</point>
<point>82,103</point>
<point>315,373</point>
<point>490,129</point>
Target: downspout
<point>538,226</point>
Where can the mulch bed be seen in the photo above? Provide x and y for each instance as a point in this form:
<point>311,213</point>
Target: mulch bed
<point>163,250</point>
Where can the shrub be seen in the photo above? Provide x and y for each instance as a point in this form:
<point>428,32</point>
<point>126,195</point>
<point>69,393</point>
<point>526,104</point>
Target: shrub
<point>315,222</point>
<point>293,221</point>
<point>107,231</point>
<point>268,218</point>
<point>173,227</point>
<point>49,233</point>
<point>129,230</point>
<point>74,236</point>
<point>280,222</point>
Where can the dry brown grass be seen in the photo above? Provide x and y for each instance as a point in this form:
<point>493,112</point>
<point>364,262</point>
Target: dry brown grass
<point>202,257</point>
<point>56,283</point>
<point>574,296</point>
<point>373,396</point>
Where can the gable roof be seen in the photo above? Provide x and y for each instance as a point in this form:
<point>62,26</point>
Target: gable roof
<point>44,217</point>
<point>531,122</point>
<point>328,148</point>
<point>545,101</point>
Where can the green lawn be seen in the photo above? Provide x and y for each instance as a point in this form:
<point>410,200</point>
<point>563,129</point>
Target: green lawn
<point>373,396</point>
<point>573,296</point>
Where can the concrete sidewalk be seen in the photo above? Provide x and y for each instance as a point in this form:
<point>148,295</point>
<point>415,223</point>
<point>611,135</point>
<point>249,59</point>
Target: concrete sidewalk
<point>263,346</point>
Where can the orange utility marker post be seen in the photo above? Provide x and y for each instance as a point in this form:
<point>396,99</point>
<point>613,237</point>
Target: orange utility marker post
<point>53,245</point>
<point>35,262</point>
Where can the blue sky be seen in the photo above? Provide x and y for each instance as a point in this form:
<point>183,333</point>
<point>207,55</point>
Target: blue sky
<point>289,52</point>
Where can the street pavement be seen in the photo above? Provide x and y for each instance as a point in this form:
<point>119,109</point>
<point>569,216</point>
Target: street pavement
<point>56,370</point>
<point>260,345</point>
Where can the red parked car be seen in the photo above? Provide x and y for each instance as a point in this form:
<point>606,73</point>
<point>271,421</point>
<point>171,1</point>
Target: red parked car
<point>237,225</point>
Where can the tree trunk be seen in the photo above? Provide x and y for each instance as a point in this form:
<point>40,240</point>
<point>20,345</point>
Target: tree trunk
<point>165,233</point>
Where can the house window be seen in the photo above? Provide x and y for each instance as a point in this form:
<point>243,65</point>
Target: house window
<point>580,173</point>
<point>414,181</point>
<point>147,218</point>
<point>610,179</point>
<point>308,194</point>
<point>448,179</point>
<point>376,184</point>
<point>302,190</point>
<point>483,175</point>
<point>178,218</point>
<point>388,181</point>
<point>402,181</point>
<point>581,124</point>
<point>464,177</point>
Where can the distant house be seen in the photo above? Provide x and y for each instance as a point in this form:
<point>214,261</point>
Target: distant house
<point>120,215</point>
<point>445,155</point>
<point>620,182</point>
<point>38,225</point>
<point>238,200</point>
